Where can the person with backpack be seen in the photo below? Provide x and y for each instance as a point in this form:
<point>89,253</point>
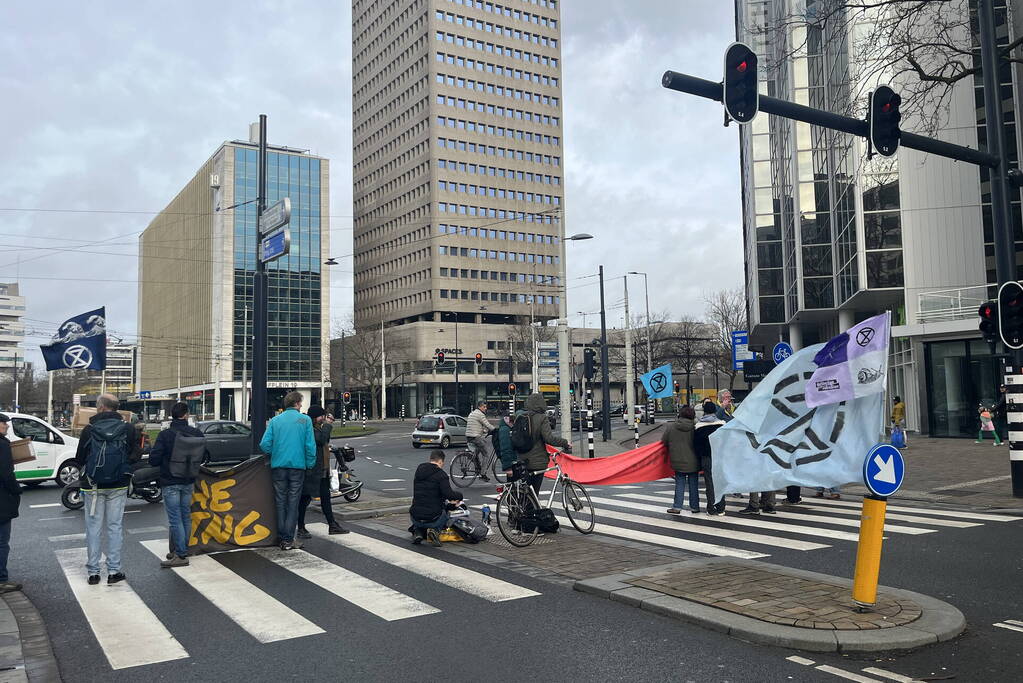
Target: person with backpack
<point>317,479</point>
<point>431,495</point>
<point>501,442</point>
<point>531,434</point>
<point>702,430</point>
<point>178,459</point>
<point>106,450</point>
<point>10,501</point>
<point>678,440</point>
<point>289,442</point>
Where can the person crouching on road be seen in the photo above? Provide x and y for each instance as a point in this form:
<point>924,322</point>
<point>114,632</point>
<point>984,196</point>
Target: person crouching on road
<point>177,491</point>
<point>10,501</point>
<point>292,448</point>
<point>317,479</point>
<point>431,494</point>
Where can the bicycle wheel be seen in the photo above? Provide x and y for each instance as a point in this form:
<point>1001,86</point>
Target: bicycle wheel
<point>578,506</point>
<point>464,469</point>
<point>495,467</point>
<point>510,507</point>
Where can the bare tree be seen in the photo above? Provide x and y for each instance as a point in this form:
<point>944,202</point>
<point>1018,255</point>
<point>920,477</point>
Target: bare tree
<point>726,312</point>
<point>690,342</point>
<point>362,356</point>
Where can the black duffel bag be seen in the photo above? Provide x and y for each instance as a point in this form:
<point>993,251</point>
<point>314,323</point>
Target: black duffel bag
<point>543,520</point>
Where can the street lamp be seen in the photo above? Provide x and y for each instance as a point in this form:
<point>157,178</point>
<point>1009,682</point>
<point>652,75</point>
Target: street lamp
<point>649,352</point>
<point>564,350</point>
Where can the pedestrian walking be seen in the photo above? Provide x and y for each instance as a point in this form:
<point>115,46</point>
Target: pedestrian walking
<point>705,426</point>
<point>10,501</point>
<point>477,429</point>
<point>177,490</point>
<point>999,412</point>
<point>899,420</point>
<point>317,478</point>
<point>431,495</point>
<point>987,426</point>
<point>678,439</point>
<point>106,449</point>
<point>540,436</point>
<point>289,441</point>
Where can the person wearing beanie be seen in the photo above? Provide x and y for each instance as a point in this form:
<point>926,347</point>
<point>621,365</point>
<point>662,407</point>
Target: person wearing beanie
<point>317,478</point>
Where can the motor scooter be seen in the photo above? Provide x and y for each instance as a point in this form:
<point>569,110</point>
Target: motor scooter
<point>143,487</point>
<point>350,487</point>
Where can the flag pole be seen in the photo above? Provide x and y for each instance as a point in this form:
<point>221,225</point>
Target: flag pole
<point>49,399</point>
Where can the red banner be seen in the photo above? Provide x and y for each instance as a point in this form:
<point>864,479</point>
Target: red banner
<point>646,463</point>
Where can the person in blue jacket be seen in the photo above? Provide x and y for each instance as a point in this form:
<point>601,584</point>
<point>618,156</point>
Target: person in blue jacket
<point>291,446</point>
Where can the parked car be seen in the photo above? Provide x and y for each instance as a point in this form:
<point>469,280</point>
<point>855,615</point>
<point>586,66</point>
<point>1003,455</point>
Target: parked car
<point>445,410</point>
<point>439,430</point>
<point>639,411</point>
<point>227,442</point>
<point>54,452</point>
<point>579,421</point>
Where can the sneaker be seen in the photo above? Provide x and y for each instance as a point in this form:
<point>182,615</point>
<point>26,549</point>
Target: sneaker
<point>296,544</point>
<point>9,586</point>
<point>338,529</point>
<point>769,510</point>
<point>835,496</point>
<point>715,512</point>
<point>93,579</point>
<point>417,537</point>
<point>749,511</point>
<point>303,534</point>
<point>695,511</point>
<point>433,537</point>
<point>674,511</point>
<point>175,562</point>
<point>285,545</point>
<point>115,578</point>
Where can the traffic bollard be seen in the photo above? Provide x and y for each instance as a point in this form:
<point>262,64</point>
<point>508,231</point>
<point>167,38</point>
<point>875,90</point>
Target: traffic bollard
<point>868,552</point>
<point>589,421</point>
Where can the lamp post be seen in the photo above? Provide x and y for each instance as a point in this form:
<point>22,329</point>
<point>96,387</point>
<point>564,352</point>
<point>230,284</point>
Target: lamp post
<point>605,389</point>
<point>649,351</point>
<point>564,350</point>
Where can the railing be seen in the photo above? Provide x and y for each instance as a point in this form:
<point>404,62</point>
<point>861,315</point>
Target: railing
<point>950,304</point>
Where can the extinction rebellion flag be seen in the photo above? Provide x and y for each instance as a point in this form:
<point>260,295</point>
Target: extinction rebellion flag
<point>852,365</point>
<point>80,343</point>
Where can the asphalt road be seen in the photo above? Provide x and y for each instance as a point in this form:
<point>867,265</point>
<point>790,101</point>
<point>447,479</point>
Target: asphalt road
<point>385,611</point>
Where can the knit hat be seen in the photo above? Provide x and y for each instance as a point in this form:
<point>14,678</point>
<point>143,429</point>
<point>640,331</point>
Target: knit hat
<point>315,412</point>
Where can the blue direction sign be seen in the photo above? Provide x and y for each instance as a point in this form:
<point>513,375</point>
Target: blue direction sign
<point>883,470</point>
<point>275,245</point>
<point>145,394</point>
<point>740,349</point>
<point>781,351</point>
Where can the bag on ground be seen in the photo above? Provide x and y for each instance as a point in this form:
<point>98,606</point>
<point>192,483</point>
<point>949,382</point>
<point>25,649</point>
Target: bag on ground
<point>898,437</point>
<point>107,462</point>
<point>186,456</point>
<point>542,520</point>
<point>521,434</point>
<point>471,530</point>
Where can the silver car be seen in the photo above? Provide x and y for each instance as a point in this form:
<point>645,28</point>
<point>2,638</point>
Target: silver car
<point>439,430</point>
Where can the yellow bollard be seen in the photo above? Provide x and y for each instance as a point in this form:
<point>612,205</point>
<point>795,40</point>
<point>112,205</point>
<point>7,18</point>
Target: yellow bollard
<point>868,552</point>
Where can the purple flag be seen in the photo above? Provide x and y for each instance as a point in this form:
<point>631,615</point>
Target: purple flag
<point>851,365</point>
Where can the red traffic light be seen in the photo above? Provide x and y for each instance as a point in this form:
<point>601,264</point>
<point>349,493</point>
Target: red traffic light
<point>479,358</point>
<point>742,66</point>
<point>987,311</point>
<point>511,388</point>
<point>440,357</point>
<point>346,397</point>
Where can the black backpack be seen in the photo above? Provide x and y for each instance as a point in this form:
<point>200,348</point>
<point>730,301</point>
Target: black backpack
<point>107,461</point>
<point>471,530</point>
<point>522,434</point>
<point>543,520</point>
<point>186,456</point>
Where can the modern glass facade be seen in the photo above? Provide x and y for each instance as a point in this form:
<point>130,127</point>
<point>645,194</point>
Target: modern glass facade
<point>961,375</point>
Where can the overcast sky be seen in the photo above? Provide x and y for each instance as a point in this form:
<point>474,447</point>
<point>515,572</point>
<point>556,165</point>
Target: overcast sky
<point>110,107</point>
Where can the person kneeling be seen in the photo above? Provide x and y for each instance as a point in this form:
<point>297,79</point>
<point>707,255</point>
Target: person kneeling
<point>431,494</point>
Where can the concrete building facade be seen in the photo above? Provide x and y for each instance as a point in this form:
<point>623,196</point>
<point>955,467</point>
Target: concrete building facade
<point>12,329</point>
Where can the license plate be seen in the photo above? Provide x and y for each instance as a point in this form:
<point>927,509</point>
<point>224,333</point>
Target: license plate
<point>427,440</point>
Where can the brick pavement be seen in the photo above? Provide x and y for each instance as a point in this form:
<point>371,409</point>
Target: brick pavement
<point>778,598</point>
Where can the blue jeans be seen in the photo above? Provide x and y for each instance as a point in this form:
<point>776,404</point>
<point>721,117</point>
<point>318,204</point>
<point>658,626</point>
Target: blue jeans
<point>177,499</point>
<point>104,509</point>
<point>690,479</point>
<point>287,490</point>
<point>5,548</point>
<point>439,523</point>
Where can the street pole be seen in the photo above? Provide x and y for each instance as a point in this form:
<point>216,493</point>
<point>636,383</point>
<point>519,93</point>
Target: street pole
<point>605,390</point>
<point>456,365</point>
<point>630,386</point>
<point>245,365</point>
<point>564,348</point>
<point>259,344</point>
<point>383,375</point>
<point>49,399</point>
<point>534,360</point>
<point>179,376</point>
<point>344,377</point>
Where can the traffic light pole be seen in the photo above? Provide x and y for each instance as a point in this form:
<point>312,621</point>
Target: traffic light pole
<point>605,388</point>
<point>259,341</point>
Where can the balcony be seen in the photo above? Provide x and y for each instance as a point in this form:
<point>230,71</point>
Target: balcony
<point>950,304</point>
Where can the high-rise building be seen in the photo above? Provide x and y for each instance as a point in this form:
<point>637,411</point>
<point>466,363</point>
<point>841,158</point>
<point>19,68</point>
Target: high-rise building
<point>458,182</point>
<point>832,237</point>
<point>197,264</point>
<point>121,365</point>
<point>12,329</point>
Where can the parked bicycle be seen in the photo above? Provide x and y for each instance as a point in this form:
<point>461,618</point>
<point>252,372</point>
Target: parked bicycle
<point>518,502</point>
<point>469,465</point>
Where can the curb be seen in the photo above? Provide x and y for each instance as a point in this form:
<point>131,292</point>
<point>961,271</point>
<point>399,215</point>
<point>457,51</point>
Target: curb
<point>39,662</point>
<point>938,622</point>
<point>369,514</point>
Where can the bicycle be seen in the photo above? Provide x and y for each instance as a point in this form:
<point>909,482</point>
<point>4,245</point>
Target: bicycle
<point>467,466</point>
<point>518,500</point>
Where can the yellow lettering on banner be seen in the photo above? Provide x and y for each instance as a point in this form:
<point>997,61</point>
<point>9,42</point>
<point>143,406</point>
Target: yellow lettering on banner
<point>197,518</point>
<point>201,495</point>
<point>219,529</point>
<point>259,532</point>
<point>220,495</point>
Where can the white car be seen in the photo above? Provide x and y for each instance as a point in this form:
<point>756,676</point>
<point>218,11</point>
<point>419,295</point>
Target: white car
<point>639,411</point>
<point>54,451</point>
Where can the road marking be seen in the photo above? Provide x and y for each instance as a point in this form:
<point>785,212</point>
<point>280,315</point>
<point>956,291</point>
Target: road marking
<point>627,486</point>
<point>984,517</point>
<point>67,537</point>
<point>800,660</point>
<point>670,541</point>
<point>1010,625</point>
<point>263,617</point>
<point>776,541</point>
<point>131,512</point>
<point>58,519</point>
<point>388,481</point>
<point>891,676</point>
<point>403,468</point>
<point>127,630</point>
<point>896,516</point>
<point>371,596</point>
<point>401,489</point>
<point>848,675</point>
<point>467,580</point>
<point>147,530</point>
<point>386,465</point>
<point>45,505</point>
<point>975,482</point>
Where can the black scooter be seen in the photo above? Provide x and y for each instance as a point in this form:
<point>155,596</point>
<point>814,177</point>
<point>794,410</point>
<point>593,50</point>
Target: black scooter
<point>351,488</point>
<point>143,487</point>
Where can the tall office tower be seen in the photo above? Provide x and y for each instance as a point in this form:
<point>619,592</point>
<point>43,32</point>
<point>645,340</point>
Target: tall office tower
<point>458,181</point>
<point>12,329</point>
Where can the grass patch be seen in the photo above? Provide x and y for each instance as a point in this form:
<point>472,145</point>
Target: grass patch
<point>351,430</point>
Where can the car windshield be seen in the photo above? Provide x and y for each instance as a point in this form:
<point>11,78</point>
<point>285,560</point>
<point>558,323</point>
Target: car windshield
<point>429,423</point>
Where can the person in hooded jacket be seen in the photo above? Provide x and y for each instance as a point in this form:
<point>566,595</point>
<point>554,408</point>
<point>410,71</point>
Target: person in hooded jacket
<point>431,493</point>
<point>537,458</point>
<point>678,439</point>
<point>10,500</point>
<point>705,426</point>
<point>317,477</point>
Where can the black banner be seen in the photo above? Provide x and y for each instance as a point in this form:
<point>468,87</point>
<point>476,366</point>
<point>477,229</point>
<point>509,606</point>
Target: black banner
<point>234,508</point>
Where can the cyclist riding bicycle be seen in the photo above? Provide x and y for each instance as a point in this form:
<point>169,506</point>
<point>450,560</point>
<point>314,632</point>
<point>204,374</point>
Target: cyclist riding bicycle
<point>477,430</point>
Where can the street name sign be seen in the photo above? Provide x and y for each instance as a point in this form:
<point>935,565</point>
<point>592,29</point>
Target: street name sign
<point>883,470</point>
<point>275,246</point>
<point>740,349</point>
<point>275,216</point>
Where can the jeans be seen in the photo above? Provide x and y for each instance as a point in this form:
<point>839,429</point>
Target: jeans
<point>177,499</point>
<point>5,548</point>
<point>763,500</point>
<point>287,491</point>
<point>690,480</point>
<point>708,484</point>
<point>104,508</point>
<point>792,494</point>
<point>325,505</point>
<point>440,523</point>
<point>482,445</point>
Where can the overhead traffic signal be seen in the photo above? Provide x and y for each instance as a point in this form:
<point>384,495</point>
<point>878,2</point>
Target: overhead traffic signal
<point>1010,314</point>
<point>589,362</point>
<point>740,94</point>
<point>440,358</point>
<point>479,359</point>
<point>884,120</point>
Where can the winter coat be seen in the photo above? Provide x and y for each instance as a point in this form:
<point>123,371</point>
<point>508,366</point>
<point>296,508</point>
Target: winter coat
<point>10,489</point>
<point>289,441</point>
<point>899,412</point>
<point>478,425</point>
<point>723,413</point>
<point>678,439</point>
<point>701,438</point>
<point>164,446</point>
<point>85,444</point>
<point>431,488</point>
<point>505,450</point>
<point>321,467</point>
<point>537,457</point>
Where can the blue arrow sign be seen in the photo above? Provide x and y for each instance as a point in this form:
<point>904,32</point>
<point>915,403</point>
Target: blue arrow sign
<point>275,246</point>
<point>781,352</point>
<point>883,470</point>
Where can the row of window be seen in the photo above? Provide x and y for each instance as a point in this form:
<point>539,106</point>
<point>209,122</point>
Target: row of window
<point>498,193</point>
<point>370,84</point>
<point>522,55</point>
<point>513,13</point>
<point>503,214</point>
<point>503,297</point>
<point>498,255</point>
<point>499,131</point>
<point>503,152</point>
<point>495,110</point>
<point>388,39</point>
<point>416,94</point>
<point>505,31</point>
<point>497,234</point>
<point>473,169</point>
<point>523,278</point>
<point>497,69</point>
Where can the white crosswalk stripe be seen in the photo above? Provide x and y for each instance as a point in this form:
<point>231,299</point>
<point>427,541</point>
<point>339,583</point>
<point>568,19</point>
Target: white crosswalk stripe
<point>977,516</point>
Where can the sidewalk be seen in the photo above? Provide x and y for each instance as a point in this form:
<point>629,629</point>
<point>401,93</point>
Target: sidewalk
<point>25,651</point>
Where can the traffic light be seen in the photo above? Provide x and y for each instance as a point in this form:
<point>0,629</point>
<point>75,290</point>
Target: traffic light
<point>511,389</point>
<point>989,322</point>
<point>676,386</point>
<point>1010,314</point>
<point>440,358</point>
<point>884,120</point>
<point>740,94</point>
<point>479,359</point>
<point>346,397</point>
<point>589,362</point>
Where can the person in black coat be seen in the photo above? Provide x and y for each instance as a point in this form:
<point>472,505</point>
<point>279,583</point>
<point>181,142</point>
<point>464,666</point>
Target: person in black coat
<point>431,494</point>
<point>10,501</point>
<point>705,426</point>
<point>317,478</point>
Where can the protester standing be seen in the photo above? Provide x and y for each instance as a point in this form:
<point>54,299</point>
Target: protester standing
<point>725,407</point>
<point>289,441</point>
<point>177,491</point>
<point>503,446</point>
<point>537,457</point>
<point>10,501</point>
<point>678,440</point>
<point>1000,411</point>
<point>105,450</point>
<point>431,494</point>
<point>317,479</point>
<point>704,428</point>
<point>899,418</point>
